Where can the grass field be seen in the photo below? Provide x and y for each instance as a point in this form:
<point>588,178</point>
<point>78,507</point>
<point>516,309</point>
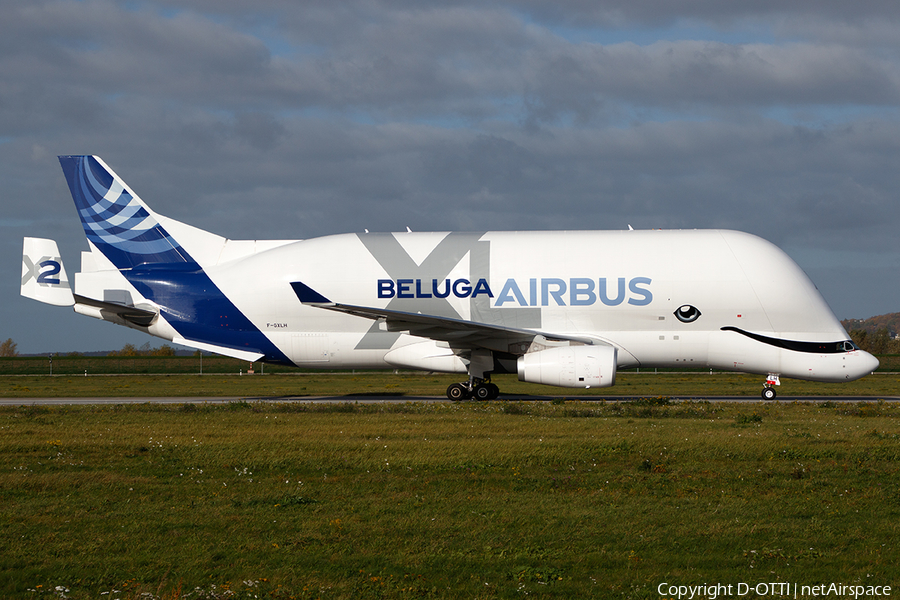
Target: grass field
<point>470,500</point>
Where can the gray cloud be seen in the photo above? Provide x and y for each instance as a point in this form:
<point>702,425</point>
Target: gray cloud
<point>256,120</point>
<point>463,62</point>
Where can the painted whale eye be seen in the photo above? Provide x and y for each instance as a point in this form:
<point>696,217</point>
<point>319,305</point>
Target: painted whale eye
<point>687,313</point>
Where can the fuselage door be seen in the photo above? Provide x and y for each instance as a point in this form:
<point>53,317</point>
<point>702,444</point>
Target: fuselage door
<point>310,348</point>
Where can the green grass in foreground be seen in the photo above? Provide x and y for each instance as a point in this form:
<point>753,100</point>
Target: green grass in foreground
<point>878,385</point>
<point>472,500</point>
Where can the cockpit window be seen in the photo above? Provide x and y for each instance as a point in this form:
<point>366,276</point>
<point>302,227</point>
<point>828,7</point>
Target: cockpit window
<point>798,345</point>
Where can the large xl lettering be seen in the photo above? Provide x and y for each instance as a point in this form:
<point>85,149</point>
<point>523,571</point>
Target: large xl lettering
<point>409,282</point>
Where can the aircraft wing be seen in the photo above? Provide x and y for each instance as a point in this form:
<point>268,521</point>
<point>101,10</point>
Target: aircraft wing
<point>456,332</point>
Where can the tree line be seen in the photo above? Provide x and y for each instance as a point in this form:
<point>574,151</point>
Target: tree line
<point>145,350</point>
<point>9,349</point>
<point>876,342</point>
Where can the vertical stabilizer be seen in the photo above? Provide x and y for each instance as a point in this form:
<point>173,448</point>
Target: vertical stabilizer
<point>43,276</point>
<point>115,219</point>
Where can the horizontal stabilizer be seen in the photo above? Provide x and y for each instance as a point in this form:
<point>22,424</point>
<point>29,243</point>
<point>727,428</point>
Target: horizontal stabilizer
<point>132,314</point>
<point>43,276</point>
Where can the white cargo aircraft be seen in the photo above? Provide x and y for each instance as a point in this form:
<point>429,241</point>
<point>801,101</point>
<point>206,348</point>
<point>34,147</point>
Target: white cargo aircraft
<point>563,308</point>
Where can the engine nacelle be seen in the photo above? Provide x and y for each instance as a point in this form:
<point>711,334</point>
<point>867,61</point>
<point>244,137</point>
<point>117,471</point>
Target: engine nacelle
<point>570,366</point>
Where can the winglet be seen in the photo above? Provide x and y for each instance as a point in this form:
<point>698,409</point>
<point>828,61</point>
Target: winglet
<point>307,295</point>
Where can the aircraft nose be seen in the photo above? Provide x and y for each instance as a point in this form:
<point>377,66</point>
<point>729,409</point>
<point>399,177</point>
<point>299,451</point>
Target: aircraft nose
<point>850,366</point>
<point>865,364</point>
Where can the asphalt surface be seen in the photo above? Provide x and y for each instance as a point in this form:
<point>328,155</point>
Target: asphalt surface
<point>362,399</point>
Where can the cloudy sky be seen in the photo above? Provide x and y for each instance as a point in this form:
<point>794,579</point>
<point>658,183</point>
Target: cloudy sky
<point>269,119</point>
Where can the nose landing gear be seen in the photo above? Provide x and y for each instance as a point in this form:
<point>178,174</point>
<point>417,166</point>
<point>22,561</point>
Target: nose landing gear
<point>768,392</point>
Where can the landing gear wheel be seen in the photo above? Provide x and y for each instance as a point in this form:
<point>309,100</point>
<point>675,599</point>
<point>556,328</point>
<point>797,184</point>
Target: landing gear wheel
<point>457,392</point>
<point>768,393</point>
<point>495,391</point>
<point>483,391</point>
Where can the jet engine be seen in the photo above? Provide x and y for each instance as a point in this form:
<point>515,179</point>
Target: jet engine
<point>570,366</point>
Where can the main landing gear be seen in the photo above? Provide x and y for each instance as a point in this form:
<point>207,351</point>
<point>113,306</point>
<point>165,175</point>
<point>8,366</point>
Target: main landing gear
<point>479,386</point>
<point>479,389</point>
<point>768,392</point>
